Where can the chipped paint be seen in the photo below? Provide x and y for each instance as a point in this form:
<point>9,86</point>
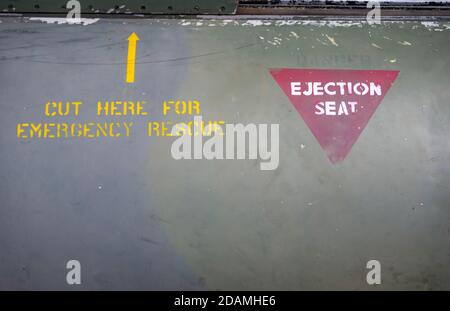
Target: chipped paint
<point>253,23</point>
<point>62,20</point>
<point>266,21</point>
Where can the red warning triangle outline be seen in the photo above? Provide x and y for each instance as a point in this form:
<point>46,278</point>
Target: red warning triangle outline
<point>335,133</point>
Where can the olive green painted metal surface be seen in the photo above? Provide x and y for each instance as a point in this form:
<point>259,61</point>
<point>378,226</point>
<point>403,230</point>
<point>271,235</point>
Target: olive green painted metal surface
<point>138,219</point>
<point>123,7</point>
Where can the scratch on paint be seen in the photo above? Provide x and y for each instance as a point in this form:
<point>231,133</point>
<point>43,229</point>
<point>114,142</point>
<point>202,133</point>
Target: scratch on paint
<point>332,40</point>
<point>377,46</point>
<point>295,35</point>
<point>404,43</point>
<point>322,42</point>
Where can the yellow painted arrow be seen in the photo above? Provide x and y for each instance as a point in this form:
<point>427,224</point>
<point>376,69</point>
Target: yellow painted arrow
<point>131,59</point>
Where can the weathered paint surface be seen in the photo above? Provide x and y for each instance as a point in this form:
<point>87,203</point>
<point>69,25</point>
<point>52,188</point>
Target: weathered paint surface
<point>137,219</point>
<point>129,7</point>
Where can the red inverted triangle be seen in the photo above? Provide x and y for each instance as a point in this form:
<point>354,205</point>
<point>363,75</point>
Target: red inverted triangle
<point>336,104</point>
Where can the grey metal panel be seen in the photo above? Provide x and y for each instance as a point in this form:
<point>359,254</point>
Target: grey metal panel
<point>137,219</point>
